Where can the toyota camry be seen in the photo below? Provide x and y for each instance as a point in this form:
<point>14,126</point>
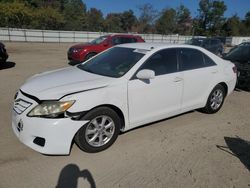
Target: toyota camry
<point>119,89</point>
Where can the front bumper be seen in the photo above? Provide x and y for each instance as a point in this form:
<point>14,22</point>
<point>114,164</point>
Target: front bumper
<point>75,57</point>
<point>56,134</point>
<point>3,57</point>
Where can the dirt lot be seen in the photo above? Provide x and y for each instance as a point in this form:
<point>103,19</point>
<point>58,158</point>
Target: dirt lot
<point>191,150</point>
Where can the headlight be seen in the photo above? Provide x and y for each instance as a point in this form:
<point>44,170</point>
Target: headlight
<point>76,50</point>
<point>50,108</point>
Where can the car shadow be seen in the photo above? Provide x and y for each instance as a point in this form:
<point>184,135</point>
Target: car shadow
<point>73,63</point>
<point>239,148</point>
<point>7,65</point>
<point>240,89</point>
<point>70,174</point>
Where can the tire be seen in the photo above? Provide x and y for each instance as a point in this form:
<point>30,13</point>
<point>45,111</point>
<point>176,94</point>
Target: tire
<point>100,132</point>
<point>89,56</point>
<point>215,100</point>
<point>3,60</point>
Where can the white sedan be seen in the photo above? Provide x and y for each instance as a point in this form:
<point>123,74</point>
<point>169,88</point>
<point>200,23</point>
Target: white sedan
<point>120,89</point>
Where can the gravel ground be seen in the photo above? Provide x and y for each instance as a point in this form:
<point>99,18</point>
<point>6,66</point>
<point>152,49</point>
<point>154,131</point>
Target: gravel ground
<point>190,150</point>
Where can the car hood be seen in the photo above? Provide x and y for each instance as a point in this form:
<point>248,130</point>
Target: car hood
<point>55,84</point>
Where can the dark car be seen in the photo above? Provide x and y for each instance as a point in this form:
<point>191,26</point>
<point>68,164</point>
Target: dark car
<point>241,44</point>
<point>81,52</point>
<point>211,44</point>
<point>3,53</point>
<point>240,56</point>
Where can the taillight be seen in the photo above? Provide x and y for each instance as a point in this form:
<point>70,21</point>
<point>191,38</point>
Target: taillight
<point>235,69</point>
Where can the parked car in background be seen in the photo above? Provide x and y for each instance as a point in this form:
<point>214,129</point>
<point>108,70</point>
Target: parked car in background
<point>241,44</point>
<point>213,45</point>
<point>82,52</point>
<point>122,88</point>
<point>244,44</point>
<point>3,53</point>
<point>240,56</point>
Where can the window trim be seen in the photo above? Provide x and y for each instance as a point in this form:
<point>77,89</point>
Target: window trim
<point>202,53</point>
<point>133,77</point>
<point>204,60</point>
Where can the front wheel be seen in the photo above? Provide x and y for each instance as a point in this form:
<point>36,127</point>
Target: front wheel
<point>215,100</point>
<point>90,55</point>
<point>100,132</point>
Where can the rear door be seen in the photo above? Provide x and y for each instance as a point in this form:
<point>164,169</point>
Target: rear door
<point>199,73</point>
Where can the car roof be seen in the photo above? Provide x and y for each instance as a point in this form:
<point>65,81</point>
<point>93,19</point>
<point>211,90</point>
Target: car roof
<point>206,39</point>
<point>152,45</point>
<point>244,44</point>
<point>127,35</point>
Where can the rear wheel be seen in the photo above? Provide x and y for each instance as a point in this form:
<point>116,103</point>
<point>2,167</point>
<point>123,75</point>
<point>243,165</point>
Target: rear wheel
<point>215,100</point>
<point>100,132</point>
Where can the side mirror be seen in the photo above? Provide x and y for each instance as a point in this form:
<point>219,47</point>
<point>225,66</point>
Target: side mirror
<point>145,74</point>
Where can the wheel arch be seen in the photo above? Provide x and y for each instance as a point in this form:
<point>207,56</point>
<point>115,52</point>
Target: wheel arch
<point>91,52</point>
<point>224,85</point>
<point>113,107</point>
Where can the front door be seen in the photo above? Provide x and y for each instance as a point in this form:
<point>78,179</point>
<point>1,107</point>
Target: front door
<point>160,97</point>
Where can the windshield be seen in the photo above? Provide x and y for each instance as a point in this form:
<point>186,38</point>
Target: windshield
<point>241,53</point>
<point>113,63</point>
<point>99,40</point>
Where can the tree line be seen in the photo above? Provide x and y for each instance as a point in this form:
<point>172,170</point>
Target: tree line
<point>74,15</point>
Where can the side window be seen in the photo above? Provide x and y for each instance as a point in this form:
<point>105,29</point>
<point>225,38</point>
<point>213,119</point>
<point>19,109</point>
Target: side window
<point>116,40</point>
<point>132,40</point>
<point>248,54</point>
<point>208,61</point>
<point>128,40</point>
<point>190,59</point>
<point>122,40</point>
<point>214,42</point>
<point>206,42</point>
<point>163,62</point>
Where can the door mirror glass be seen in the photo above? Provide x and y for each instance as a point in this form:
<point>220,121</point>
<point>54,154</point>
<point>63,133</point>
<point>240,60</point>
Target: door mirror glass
<point>145,74</point>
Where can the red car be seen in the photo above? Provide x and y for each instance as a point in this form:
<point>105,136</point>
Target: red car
<point>81,52</point>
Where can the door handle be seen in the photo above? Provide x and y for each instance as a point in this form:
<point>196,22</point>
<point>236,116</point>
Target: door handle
<point>177,79</point>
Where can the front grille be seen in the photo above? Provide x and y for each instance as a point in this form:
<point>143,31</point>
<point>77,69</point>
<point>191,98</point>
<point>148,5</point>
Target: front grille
<point>21,105</point>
